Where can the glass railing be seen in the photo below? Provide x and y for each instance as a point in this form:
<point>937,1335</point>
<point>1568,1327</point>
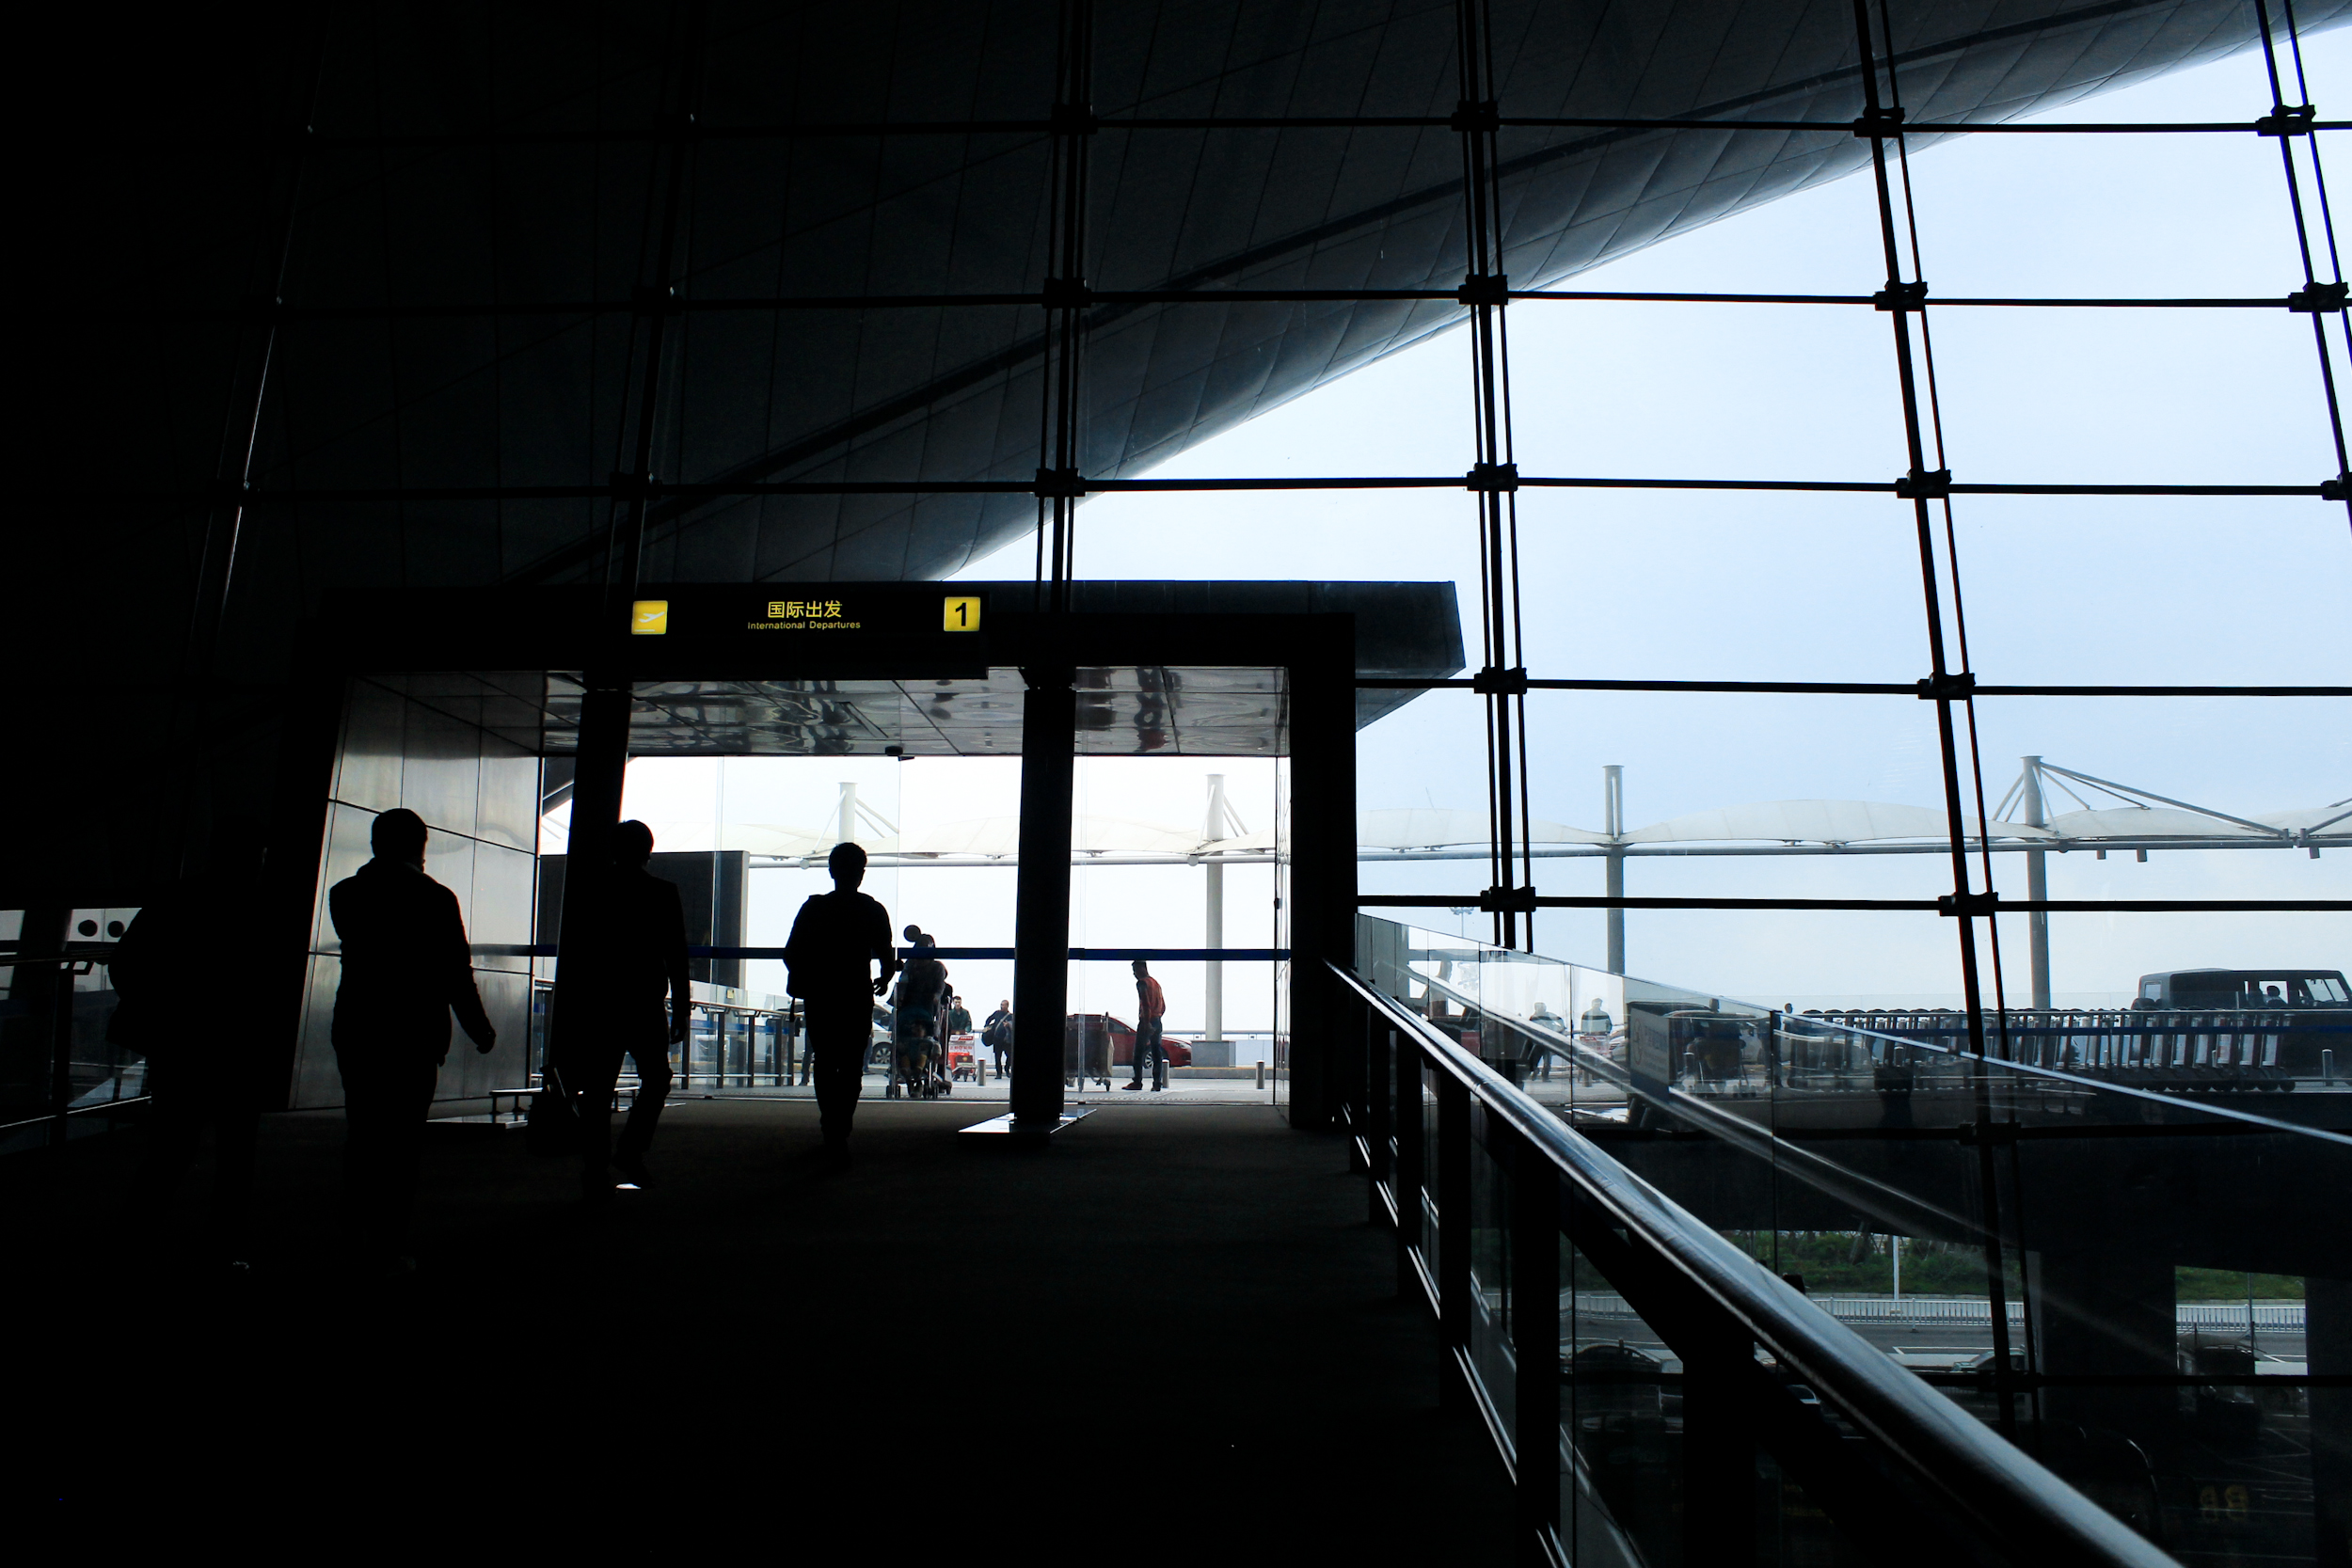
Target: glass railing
<point>2092,1236</point>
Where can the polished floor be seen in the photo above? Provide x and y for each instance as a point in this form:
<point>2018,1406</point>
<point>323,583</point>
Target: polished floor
<point>1173,1336</point>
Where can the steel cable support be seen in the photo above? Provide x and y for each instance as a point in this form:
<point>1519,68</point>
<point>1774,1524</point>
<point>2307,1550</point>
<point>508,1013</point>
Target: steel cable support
<point>1881,125</point>
<point>1066,299</point>
<point>2283,122</point>
<point>1494,476</point>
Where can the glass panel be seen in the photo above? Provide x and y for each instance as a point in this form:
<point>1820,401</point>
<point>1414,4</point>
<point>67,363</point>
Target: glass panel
<point>1492,1350</point>
<point>1621,1424</point>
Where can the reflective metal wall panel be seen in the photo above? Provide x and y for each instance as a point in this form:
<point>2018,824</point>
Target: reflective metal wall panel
<point>498,913</point>
<point>347,828</point>
<point>440,768</point>
<point>316,1081</point>
<point>460,748</point>
<point>506,806</point>
<point>368,771</point>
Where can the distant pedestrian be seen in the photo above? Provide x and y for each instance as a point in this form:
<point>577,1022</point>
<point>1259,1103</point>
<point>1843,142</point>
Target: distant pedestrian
<point>406,966</point>
<point>634,999</point>
<point>1150,1009</point>
<point>919,1017</point>
<point>837,940</point>
<point>996,1034</point>
<point>167,972</point>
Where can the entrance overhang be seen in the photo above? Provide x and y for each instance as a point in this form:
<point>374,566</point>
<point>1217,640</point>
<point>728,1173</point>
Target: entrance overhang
<point>724,669</point>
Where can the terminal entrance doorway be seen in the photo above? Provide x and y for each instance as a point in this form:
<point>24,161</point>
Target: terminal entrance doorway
<point>493,713</point>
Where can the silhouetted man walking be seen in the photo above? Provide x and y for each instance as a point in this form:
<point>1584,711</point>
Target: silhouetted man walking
<point>1150,1008</point>
<point>405,965</point>
<point>634,953</point>
<point>996,1034</point>
<point>200,1071</point>
<point>836,939</point>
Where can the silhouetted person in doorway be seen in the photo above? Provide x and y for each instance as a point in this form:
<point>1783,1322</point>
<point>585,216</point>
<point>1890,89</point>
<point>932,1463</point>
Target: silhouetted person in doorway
<point>837,940</point>
<point>636,1002</point>
<point>197,1041</point>
<point>996,1034</point>
<point>1151,1011</point>
<point>406,966</point>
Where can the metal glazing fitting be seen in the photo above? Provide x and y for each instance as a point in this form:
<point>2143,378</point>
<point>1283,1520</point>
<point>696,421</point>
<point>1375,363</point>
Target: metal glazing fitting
<point>1072,120</point>
<point>2336,489</point>
<point>1933,485</point>
<point>1066,294</point>
<point>1473,117</point>
<point>1948,687</point>
<point>1484,288</point>
<point>1957,903</point>
<point>1879,123</point>
<point>1508,900</point>
<point>1493,682</point>
<point>653,299</point>
<point>1059,485</point>
<point>2319,299</point>
<point>1494,479</point>
<point>1902,296</point>
<point>2287,120</point>
<point>635,487</point>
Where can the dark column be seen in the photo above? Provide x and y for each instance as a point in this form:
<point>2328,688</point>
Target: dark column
<point>1718,1445</point>
<point>2105,1311</point>
<point>2328,1345</point>
<point>1040,936</point>
<point>1323,869</point>
<point>43,993</point>
<point>602,759</point>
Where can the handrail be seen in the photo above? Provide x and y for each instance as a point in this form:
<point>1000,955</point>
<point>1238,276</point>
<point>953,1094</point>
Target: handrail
<point>2024,1509</point>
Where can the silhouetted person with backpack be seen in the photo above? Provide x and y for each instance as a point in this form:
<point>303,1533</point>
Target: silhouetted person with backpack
<point>837,940</point>
<point>200,1068</point>
<point>406,967</point>
<point>635,1000</point>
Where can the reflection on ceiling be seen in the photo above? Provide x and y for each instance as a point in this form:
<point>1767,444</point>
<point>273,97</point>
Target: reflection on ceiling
<point>1147,710</point>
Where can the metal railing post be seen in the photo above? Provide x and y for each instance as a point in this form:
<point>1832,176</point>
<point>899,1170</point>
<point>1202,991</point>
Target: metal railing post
<point>1379,1051</point>
<point>1356,1095</point>
<point>1411,1142</point>
<point>1719,1441</point>
<point>1454,1234</point>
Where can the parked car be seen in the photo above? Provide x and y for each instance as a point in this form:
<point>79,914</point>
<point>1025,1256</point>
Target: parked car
<point>1121,1040</point>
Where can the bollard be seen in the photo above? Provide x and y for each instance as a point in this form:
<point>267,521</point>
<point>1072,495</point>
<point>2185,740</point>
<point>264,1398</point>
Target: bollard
<point>1262,1075</point>
<point>2327,1066</point>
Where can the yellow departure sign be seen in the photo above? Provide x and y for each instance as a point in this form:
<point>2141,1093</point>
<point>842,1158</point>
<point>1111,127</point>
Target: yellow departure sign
<point>960,614</point>
<point>649,618</point>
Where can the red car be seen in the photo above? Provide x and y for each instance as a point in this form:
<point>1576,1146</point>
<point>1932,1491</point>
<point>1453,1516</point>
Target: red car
<point>1094,1031</point>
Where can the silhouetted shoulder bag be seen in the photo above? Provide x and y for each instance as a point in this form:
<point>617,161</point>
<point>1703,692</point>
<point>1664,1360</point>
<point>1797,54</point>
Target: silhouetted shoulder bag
<point>551,1126</point>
